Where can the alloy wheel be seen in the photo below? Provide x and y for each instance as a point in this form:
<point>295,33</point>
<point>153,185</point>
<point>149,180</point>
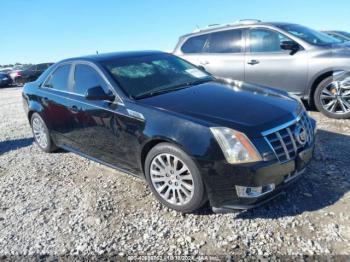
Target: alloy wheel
<point>172,179</point>
<point>39,132</point>
<point>335,97</point>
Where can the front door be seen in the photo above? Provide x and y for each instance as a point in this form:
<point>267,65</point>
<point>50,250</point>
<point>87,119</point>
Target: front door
<point>267,64</point>
<point>106,131</point>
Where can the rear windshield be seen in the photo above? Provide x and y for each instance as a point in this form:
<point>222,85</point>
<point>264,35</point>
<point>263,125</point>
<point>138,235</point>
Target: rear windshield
<point>148,74</point>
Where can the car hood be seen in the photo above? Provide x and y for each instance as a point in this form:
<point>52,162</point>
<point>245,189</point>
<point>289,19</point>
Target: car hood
<point>244,107</point>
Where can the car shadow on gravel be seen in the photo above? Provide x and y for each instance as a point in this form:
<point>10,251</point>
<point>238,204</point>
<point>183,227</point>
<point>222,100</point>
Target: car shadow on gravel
<point>326,180</point>
<point>6,146</point>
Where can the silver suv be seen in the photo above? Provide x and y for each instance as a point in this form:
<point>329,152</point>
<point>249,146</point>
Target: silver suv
<point>287,56</point>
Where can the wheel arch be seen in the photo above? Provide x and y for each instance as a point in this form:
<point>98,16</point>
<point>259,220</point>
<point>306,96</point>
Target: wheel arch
<point>151,143</point>
<point>318,79</point>
<point>30,113</point>
<point>34,107</point>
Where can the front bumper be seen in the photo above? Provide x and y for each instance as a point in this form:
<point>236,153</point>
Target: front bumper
<point>221,186</point>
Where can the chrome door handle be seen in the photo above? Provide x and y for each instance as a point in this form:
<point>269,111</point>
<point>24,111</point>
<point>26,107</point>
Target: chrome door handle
<point>74,109</point>
<point>253,62</point>
<point>204,62</point>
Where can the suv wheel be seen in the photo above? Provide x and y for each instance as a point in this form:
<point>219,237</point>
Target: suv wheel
<point>332,98</point>
<point>41,134</point>
<point>174,178</point>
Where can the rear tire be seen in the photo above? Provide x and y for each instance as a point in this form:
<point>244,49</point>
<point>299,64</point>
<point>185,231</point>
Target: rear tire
<point>174,178</point>
<point>42,134</point>
<point>328,100</point>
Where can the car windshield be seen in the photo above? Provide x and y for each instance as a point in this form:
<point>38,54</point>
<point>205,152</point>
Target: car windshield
<point>309,35</point>
<point>149,75</point>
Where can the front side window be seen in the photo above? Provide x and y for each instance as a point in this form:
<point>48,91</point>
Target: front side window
<point>309,35</point>
<point>229,41</point>
<point>264,40</point>
<point>194,44</point>
<point>149,75</point>
<point>86,77</point>
<point>60,78</point>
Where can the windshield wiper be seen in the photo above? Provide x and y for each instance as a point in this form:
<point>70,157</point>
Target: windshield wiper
<point>172,88</point>
<point>157,92</point>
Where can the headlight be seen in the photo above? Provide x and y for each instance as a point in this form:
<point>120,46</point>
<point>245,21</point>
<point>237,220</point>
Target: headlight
<point>236,147</point>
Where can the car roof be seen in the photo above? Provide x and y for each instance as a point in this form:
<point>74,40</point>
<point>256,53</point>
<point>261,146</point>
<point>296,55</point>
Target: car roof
<point>233,26</point>
<point>112,56</point>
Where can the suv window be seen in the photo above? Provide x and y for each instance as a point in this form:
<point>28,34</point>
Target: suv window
<point>194,44</point>
<point>59,79</point>
<point>86,77</point>
<point>229,41</point>
<point>264,40</point>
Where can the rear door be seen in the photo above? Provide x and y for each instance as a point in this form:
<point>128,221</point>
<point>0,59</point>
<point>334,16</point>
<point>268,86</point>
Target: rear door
<point>267,64</point>
<point>59,107</point>
<point>220,53</point>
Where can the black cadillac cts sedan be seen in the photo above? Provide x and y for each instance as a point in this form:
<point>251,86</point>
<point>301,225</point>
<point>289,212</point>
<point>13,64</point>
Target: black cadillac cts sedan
<point>192,137</point>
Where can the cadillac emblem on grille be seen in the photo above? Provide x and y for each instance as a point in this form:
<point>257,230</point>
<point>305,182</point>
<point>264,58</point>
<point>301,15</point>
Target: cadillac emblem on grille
<point>287,141</point>
<point>300,135</point>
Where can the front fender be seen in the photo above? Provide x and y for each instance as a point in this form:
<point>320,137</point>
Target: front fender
<point>193,137</point>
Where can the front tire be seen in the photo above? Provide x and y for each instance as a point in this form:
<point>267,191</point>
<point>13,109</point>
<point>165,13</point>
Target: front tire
<point>332,98</point>
<point>174,178</point>
<point>41,134</point>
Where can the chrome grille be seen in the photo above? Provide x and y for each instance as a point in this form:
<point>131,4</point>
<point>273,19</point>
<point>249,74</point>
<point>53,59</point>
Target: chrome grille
<point>284,142</point>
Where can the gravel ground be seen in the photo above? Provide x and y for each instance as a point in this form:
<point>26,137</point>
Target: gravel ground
<point>60,203</point>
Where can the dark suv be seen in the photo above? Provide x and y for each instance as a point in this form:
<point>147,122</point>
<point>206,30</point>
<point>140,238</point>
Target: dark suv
<point>20,77</point>
<point>191,136</point>
<point>287,56</point>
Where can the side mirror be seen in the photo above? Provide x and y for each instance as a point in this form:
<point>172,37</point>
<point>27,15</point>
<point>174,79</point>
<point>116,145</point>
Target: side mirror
<point>202,68</point>
<point>291,46</point>
<point>97,93</point>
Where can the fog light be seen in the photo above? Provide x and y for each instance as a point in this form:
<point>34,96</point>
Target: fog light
<point>252,192</point>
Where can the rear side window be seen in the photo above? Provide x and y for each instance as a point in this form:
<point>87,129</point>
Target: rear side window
<point>86,77</point>
<point>59,79</point>
<point>194,44</point>
<point>229,41</point>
